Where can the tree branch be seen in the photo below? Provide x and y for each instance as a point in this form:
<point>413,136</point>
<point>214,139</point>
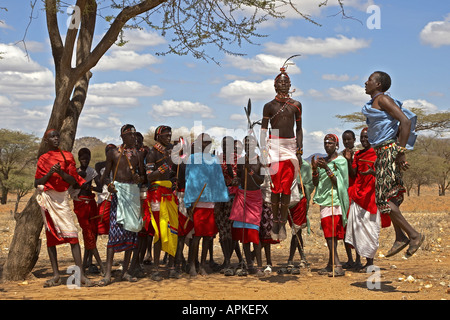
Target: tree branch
<point>71,36</point>
<point>113,32</point>
<point>54,34</point>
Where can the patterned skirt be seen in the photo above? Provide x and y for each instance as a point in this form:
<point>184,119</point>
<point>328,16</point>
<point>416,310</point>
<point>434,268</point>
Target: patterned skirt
<point>222,212</point>
<point>266,224</point>
<point>119,238</point>
<point>389,183</point>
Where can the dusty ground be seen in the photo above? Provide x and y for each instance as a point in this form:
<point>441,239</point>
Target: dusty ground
<point>425,276</point>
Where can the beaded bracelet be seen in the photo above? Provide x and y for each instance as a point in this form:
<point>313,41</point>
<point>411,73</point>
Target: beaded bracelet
<point>330,173</point>
<point>401,149</point>
<point>163,168</point>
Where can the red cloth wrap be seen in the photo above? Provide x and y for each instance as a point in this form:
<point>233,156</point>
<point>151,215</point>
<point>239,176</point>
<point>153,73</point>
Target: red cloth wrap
<point>103,221</point>
<point>362,191</point>
<point>204,223</point>
<point>298,213</point>
<point>52,238</point>
<point>182,231</point>
<point>68,165</point>
<point>85,209</point>
<point>245,235</point>
<point>327,227</point>
<point>282,175</point>
<point>147,228</point>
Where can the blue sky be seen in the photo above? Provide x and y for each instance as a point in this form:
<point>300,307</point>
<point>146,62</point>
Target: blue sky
<point>133,85</point>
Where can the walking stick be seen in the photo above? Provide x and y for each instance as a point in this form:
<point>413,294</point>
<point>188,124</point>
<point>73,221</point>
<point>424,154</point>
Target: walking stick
<point>248,111</point>
<point>193,207</point>
<point>332,229</point>
<point>245,204</point>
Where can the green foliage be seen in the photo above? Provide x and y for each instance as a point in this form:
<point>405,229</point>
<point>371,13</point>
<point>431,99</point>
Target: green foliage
<point>429,164</point>
<point>18,154</point>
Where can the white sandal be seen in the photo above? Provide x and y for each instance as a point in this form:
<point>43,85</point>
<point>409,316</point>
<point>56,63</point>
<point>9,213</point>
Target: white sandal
<point>268,270</point>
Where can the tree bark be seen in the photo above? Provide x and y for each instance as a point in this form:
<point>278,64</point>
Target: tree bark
<point>25,245</point>
<point>4,197</point>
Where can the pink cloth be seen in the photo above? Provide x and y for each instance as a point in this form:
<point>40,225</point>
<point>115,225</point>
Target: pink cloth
<point>253,207</point>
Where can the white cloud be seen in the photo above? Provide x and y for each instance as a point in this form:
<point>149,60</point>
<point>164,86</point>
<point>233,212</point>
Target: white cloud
<point>352,93</point>
<point>32,46</point>
<point>338,77</point>
<point>28,120</point>
<point>328,47</point>
<point>120,94</point>
<point>238,117</point>
<point>3,25</point>
<point>240,90</point>
<point>99,118</point>
<point>128,56</point>
<point>124,102</point>
<point>15,59</point>
<point>261,64</point>
<point>21,78</point>
<point>125,60</point>
<point>171,108</point>
<point>138,39</point>
<point>121,88</point>
<point>436,33</point>
<point>426,106</point>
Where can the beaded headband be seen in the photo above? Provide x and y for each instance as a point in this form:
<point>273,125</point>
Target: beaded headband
<point>333,137</point>
<point>127,129</point>
<point>161,129</point>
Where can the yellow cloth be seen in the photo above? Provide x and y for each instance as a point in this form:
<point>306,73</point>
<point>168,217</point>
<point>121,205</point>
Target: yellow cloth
<point>168,221</point>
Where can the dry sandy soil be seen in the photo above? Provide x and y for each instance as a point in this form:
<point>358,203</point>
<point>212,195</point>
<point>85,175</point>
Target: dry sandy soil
<point>425,276</point>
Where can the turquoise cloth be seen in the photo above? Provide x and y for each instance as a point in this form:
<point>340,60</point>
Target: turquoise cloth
<point>325,192</point>
<point>245,225</point>
<point>200,169</point>
<point>382,127</point>
<point>308,186</point>
<point>129,206</point>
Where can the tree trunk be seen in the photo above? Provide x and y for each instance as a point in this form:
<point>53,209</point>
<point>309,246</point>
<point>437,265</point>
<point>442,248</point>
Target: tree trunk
<point>25,245</point>
<point>4,197</point>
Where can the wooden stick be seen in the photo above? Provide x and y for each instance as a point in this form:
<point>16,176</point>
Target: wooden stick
<point>332,230</point>
<point>193,207</point>
<point>363,160</point>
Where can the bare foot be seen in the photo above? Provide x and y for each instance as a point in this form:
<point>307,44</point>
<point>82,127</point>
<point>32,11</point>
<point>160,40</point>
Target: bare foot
<point>202,271</point>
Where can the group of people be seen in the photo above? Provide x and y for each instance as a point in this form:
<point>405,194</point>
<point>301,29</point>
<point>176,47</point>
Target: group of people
<point>175,194</point>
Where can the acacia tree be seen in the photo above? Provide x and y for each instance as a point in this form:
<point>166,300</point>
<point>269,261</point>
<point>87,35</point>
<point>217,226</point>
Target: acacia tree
<point>436,122</point>
<point>192,24</point>
<point>17,153</point>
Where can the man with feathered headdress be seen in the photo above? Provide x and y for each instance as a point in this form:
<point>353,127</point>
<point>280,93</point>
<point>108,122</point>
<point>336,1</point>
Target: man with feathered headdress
<point>283,149</point>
